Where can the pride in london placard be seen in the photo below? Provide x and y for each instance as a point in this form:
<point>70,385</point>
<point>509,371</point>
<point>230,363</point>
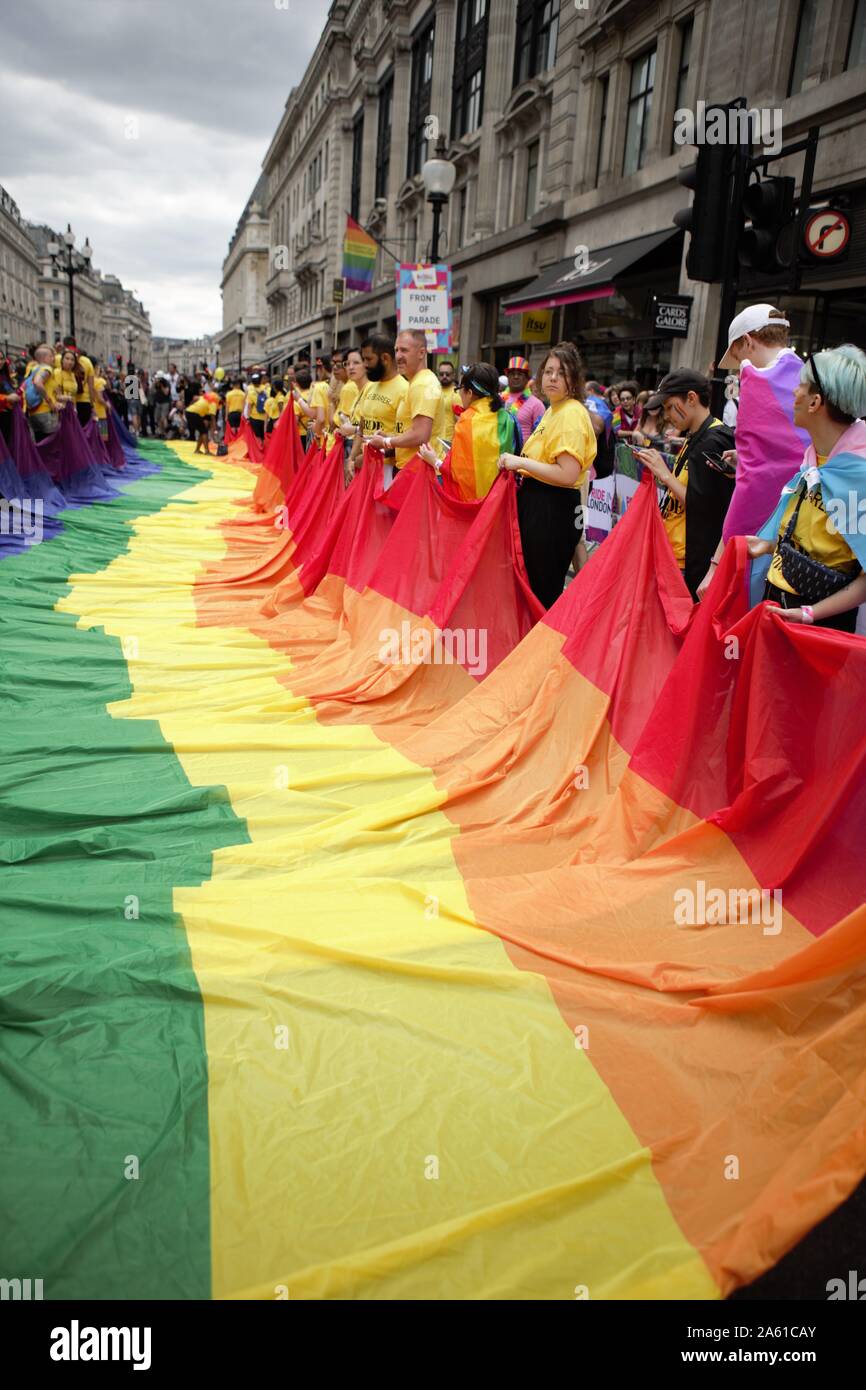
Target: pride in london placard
<point>424,301</point>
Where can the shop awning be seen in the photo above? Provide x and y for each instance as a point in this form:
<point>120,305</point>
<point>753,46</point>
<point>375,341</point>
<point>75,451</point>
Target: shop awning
<point>563,284</point>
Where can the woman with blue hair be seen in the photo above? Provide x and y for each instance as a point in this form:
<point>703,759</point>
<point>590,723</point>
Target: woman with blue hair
<point>816,537</point>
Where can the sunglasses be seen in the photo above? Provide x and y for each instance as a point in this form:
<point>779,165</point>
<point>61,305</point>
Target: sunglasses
<point>815,377</point>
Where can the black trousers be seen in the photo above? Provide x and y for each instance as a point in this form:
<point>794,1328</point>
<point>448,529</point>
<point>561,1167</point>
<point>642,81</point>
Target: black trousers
<point>842,622</point>
<point>234,419</point>
<point>83,410</point>
<point>550,528</point>
<point>258,428</point>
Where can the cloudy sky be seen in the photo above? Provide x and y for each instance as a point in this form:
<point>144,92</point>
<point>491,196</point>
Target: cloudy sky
<point>143,123</point>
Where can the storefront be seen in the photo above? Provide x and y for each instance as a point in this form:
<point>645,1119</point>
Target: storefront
<point>606,306</point>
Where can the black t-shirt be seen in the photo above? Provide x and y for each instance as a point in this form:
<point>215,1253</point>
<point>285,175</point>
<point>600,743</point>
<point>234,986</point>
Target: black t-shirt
<point>708,496</point>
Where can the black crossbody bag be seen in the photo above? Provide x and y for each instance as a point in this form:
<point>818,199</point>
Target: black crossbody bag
<point>811,580</point>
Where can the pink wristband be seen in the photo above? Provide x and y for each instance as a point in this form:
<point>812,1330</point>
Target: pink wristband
<point>808,613</point>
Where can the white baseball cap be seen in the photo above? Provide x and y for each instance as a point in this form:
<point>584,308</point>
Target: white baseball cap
<point>757,316</point>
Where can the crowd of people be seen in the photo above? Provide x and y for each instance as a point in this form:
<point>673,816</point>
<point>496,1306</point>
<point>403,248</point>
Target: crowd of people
<point>784,467</point>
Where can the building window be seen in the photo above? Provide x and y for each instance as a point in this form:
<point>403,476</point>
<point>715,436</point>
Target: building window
<point>639,107</point>
<point>532,155</point>
<point>602,125</point>
<point>537,26</point>
<point>857,42</point>
<point>419,96</point>
<point>383,136</point>
<point>469,54</point>
<point>803,45</point>
<point>357,158</point>
<point>683,70</point>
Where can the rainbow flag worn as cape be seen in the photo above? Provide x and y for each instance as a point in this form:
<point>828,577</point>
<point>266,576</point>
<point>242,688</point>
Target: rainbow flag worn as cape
<point>359,257</point>
<point>843,490</point>
<point>769,445</point>
<point>480,436</point>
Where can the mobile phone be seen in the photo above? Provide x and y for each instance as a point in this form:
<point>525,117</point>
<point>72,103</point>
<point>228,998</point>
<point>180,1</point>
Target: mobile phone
<point>728,470</point>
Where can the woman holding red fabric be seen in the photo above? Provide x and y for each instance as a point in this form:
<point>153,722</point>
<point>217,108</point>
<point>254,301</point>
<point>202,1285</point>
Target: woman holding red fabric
<point>483,431</point>
<point>554,462</point>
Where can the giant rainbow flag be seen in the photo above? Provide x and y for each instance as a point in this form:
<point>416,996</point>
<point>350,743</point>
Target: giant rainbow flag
<point>344,961</point>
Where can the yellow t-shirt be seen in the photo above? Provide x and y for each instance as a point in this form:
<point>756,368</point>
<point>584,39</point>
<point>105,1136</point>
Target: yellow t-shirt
<point>253,393</point>
<point>319,398</point>
<point>376,407</point>
<point>99,409</point>
<point>423,397</point>
<point>274,405</point>
<point>813,538</point>
<point>674,514</point>
<point>349,394</point>
<point>564,428</point>
<point>50,385</point>
<point>199,407</point>
<point>448,419</point>
<point>65,383</point>
<point>235,400</point>
<point>87,366</point>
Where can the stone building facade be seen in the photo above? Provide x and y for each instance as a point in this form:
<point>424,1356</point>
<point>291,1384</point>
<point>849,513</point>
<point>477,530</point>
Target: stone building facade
<point>244,276</point>
<point>19,280</point>
<point>110,322</point>
<point>559,119</point>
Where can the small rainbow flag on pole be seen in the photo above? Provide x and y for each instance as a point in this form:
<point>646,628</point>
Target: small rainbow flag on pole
<point>359,257</point>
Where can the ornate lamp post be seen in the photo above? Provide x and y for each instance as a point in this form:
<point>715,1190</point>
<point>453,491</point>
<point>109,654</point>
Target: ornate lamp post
<point>68,259</point>
<point>438,175</point>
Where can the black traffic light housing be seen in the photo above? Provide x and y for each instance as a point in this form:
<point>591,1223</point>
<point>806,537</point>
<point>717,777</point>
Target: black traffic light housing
<point>706,220</point>
<point>769,243</point>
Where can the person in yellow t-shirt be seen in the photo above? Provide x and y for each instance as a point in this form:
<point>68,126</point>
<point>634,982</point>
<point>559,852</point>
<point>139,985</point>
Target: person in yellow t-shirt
<point>43,382</point>
<point>100,408</point>
<point>420,414</point>
<point>376,408</point>
<point>556,459</point>
<point>84,397</point>
<point>198,417</point>
<point>68,376</point>
<point>257,395</point>
<point>311,406</point>
<point>347,420</point>
<point>235,398</point>
<point>274,405</point>
<point>450,398</point>
<point>829,404</point>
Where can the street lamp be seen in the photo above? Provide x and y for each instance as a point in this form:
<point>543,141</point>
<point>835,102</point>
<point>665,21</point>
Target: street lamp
<point>438,175</point>
<point>240,347</point>
<point>130,339</point>
<point>72,262</point>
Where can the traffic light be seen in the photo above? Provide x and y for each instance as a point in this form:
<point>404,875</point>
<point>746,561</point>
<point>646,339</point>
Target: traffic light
<point>710,179</point>
<point>768,244</point>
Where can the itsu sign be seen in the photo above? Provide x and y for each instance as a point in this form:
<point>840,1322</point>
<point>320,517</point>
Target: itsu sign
<point>671,314</point>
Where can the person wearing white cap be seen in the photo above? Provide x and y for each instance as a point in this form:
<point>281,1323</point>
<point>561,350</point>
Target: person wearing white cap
<point>769,446</point>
